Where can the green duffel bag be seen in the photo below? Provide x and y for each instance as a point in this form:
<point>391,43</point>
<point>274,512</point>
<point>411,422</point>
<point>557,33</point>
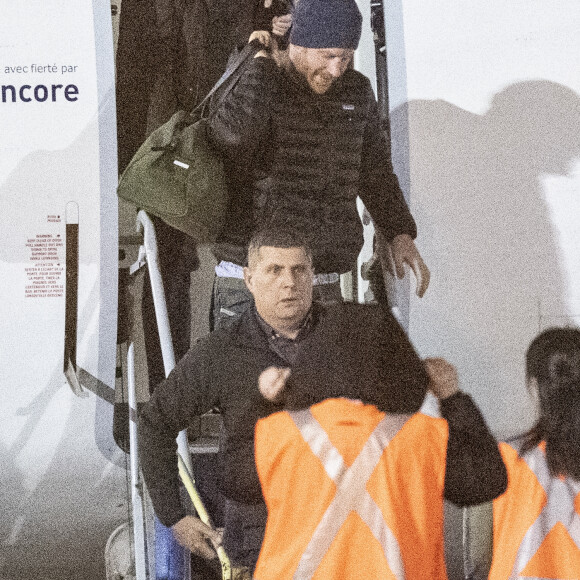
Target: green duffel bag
<point>176,175</point>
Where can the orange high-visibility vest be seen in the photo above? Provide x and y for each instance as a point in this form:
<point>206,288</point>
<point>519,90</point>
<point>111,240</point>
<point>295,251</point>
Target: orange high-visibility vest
<point>352,494</point>
<point>536,522</point>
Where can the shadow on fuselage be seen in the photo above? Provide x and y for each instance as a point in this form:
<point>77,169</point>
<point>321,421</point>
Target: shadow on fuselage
<point>488,234</point>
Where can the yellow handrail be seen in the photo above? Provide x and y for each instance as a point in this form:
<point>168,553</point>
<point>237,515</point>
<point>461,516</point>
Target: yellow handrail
<point>189,483</point>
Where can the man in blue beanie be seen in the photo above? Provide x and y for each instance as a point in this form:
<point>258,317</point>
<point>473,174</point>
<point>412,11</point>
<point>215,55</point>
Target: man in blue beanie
<point>301,141</point>
<point>323,40</point>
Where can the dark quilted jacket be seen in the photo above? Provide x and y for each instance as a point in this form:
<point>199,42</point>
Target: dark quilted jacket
<point>299,158</point>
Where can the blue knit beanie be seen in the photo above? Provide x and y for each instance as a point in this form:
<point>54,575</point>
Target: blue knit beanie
<point>326,24</point>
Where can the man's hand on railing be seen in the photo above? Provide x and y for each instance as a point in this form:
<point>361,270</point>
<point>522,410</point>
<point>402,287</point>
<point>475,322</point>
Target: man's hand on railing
<point>196,536</point>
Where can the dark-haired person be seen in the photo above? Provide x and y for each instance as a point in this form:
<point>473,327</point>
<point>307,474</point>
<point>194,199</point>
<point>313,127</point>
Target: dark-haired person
<point>536,522</point>
<point>354,492</point>
<point>222,371</point>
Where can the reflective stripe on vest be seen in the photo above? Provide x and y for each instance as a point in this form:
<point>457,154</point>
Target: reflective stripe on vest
<point>351,494</point>
<point>559,508</point>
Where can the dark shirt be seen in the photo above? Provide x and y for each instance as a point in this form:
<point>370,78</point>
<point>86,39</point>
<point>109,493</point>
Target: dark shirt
<point>285,347</point>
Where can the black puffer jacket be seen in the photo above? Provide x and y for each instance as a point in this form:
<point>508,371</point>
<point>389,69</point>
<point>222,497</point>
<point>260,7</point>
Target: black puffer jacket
<point>299,158</point>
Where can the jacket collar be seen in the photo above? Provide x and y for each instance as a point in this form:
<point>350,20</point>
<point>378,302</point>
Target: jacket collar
<point>271,332</point>
<point>250,334</point>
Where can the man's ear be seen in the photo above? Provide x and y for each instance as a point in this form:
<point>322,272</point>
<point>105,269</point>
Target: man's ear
<point>248,278</point>
<point>293,52</point>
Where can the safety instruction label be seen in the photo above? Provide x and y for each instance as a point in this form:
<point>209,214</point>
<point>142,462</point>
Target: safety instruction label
<point>46,267</point>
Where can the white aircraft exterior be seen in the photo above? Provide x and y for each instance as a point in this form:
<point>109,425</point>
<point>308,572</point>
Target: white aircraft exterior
<point>484,103</point>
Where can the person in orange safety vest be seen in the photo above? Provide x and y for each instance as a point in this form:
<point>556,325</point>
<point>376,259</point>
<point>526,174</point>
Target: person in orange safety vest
<point>536,522</point>
<point>354,493</point>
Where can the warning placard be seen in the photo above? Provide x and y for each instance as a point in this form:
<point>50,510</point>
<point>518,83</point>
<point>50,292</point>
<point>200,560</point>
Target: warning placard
<point>45,268</point>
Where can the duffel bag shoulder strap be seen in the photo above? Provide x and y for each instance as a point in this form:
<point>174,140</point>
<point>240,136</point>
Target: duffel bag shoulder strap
<point>228,80</point>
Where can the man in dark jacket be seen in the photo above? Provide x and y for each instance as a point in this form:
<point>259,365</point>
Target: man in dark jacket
<point>302,141</point>
<point>223,370</point>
